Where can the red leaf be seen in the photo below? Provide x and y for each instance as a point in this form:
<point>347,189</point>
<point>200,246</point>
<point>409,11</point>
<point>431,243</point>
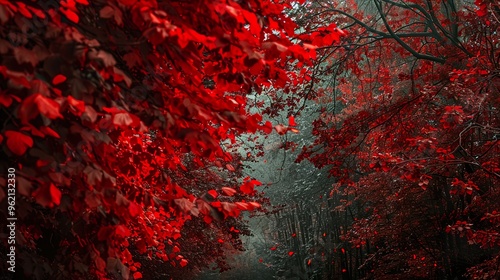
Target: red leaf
<point>281,129</point>
<point>267,127</point>
<point>176,249</point>
<point>49,131</point>
<point>112,110</point>
<point>24,55</point>
<point>184,204</point>
<point>248,186</point>
<point>274,248</point>
<point>256,182</point>
<point>483,8</point>
<point>18,142</point>
<point>24,186</point>
<point>183,262</point>
<point>203,207</point>
<point>93,175</point>
<point>37,12</point>
<point>207,219</point>
<point>137,275</point>
<point>134,209</point>
<point>230,167</point>
<point>213,193</point>
<point>253,205</point>
<point>5,99</point>
<point>141,246</point>
<point>291,253</point>
<point>47,195</point>
<point>132,59</point>
<point>291,121</point>
<point>242,205</point>
<point>23,10</point>
<point>47,107</point>
<point>90,114</point>
<point>34,131</point>
<point>28,109</point>
<point>106,12</point>
<point>122,231</point>
<point>70,15</point>
<point>106,58</point>
<point>104,233</point>
<point>230,208</point>
<point>122,119</point>
<point>76,105</point>
<point>55,194</point>
<point>232,229</point>
<point>229,191</point>
<point>58,79</point>
<point>100,264</point>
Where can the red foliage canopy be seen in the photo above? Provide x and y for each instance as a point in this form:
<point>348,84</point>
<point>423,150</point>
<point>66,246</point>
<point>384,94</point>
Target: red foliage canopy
<point>113,113</point>
<point>411,132</point>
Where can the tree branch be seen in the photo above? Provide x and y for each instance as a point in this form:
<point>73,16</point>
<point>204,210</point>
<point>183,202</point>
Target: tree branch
<point>401,42</point>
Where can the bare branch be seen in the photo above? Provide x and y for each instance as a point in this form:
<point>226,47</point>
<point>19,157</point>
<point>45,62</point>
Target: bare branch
<point>401,42</point>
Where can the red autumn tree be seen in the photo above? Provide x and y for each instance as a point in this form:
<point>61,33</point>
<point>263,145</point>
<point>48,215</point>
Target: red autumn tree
<point>410,128</point>
<point>113,113</point>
